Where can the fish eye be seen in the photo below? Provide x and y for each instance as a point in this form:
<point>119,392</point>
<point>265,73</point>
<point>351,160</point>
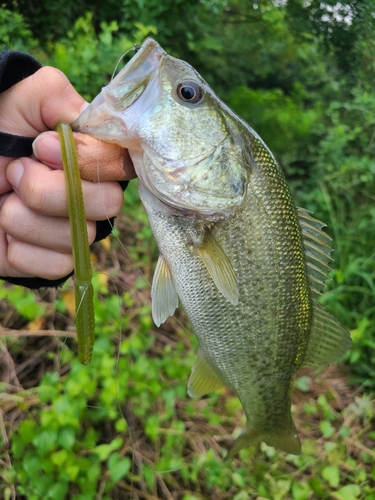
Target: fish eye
<point>189,92</point>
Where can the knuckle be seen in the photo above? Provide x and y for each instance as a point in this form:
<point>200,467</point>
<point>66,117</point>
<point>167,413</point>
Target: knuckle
<point>91,231</point>
<point>16,257</point>
<point>113,199</point>
<point>118,199</point>
<point>36,194</point>
<point>42,263</point>
<point>62,266</point>
<point>9,213</point>
<point>56,78</point>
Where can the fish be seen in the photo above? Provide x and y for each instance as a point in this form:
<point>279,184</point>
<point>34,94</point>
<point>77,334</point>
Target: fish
<point>246,264</point>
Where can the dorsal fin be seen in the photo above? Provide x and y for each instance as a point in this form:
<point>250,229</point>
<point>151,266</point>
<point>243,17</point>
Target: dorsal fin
<point>317,250</point>
<point>219,268</point>
<point>328,341</point>
<point>163,293</point>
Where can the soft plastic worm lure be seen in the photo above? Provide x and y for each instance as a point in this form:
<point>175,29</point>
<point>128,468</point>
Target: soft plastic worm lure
<point>84,299</point>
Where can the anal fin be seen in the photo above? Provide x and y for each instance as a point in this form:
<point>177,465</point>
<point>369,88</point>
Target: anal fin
<point>163,293</point>
<point>219,268</point>
<point>328,341</point>
<point>203,379</point>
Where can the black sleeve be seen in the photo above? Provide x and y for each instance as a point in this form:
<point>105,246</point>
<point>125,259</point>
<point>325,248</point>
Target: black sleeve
<point>14,67</point>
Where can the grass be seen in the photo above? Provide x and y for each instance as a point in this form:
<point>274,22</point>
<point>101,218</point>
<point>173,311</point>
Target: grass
<point>124,427</point>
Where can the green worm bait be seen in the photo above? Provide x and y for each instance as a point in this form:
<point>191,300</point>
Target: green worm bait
<point>84,296</point>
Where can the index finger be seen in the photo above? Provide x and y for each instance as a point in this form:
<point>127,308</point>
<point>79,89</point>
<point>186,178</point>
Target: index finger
<point>98,161</point>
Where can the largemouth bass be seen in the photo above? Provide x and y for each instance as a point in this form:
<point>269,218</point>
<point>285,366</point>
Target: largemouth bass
<point>246,264</point>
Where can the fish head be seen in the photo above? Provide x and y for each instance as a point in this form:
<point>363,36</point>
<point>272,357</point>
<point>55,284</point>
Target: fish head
<point>185,143</point>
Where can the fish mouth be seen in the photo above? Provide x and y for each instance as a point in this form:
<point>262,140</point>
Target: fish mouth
<point>103,118</point>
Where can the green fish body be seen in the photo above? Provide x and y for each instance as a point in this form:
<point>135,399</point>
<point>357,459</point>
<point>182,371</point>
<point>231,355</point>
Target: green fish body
<point>246,264</point>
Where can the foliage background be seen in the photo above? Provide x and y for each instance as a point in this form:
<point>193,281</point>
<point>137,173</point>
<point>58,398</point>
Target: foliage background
<point>301,73</point>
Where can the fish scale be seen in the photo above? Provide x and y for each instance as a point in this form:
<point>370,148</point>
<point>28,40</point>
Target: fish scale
<point>245,263</point>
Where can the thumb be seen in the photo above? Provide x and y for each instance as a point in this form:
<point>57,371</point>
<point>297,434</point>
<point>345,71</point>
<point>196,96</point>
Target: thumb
<point>61,102</point>
<point>39,102</point>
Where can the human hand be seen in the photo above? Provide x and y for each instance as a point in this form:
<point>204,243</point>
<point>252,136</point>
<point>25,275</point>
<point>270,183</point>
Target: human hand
<point>34,226</point>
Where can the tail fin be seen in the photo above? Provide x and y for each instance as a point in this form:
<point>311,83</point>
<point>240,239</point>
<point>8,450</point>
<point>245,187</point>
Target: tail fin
<point>283,439</point>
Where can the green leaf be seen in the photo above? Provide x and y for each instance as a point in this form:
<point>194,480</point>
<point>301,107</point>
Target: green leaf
<point>332,475</point>
<point>121,425</point>
<point>118,467</point>
<point>8,494</point>
<point>152,426</point>
<point>281,488</point>
<point>24,301</point>
<point>300,491</point>
<point>348,492</point>
<point>66,437</point>
<point>242,495</point>
<point>317,487</point>
<point>326,428</point>
<point>31,463</point>
<point>104,450</point>
<point>303,383</point>
<point>59,457</point>
<point>238,480</point>
<point>43,484</point>
<point>329,446</point>
<point>93,473</point>
<point>72,471</point>
<point>26,430</point>
<point>149,476</point>
<point>45,441</point>
<point>58,491</point>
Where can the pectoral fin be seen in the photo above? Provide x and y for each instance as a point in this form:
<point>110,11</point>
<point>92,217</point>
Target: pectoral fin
<point>328,341</point>
<point>219,268</point>
<point>203,379</point>
<point>163,293</point>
